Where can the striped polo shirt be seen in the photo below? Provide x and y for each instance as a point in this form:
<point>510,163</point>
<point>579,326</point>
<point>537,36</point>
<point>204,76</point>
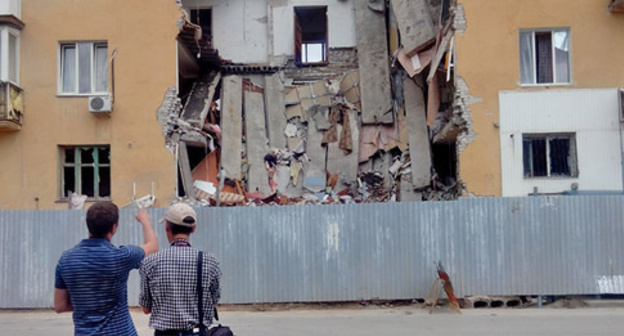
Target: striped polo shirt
<point>95,274</point>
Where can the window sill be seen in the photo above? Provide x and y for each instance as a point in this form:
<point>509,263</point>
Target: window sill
<point>316,64</point>
<point>542,85</point>
<point>89,200</point>
<point>81,95</point>
<point>549,178</point>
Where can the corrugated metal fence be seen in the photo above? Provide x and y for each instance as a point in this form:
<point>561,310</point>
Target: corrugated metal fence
<point>494,246</point>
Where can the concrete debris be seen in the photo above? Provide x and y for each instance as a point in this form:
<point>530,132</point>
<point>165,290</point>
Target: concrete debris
<point>415,24</point>
<point>198,104</point>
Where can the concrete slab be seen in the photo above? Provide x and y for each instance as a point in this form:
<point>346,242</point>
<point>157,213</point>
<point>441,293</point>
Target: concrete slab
<point>185,169</point>
<point>407,193</point>
<point>314,170</point>
<point>415,24</point>
<point>257,147</point>
<point>346,165</point>
<point>231,125</point>
<point>420,149</point>
<point>275,110</point>
<point>373,65</point>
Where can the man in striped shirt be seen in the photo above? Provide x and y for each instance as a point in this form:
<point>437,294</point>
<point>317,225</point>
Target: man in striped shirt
<point>169,279</point>
<point>91,278</point>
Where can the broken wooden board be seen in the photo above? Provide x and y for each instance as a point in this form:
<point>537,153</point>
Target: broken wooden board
<point>420,150</point>
<point>275,110</point>
<point>198,104</point>
<point>231,126</point>
<point>415,24</point>
<point>373,64</point>
<point>257,148</point>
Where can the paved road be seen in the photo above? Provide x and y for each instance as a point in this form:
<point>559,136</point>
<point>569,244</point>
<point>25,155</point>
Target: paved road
<point>371,321</point>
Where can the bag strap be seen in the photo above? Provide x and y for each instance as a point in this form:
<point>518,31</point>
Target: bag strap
<point>200,292</point>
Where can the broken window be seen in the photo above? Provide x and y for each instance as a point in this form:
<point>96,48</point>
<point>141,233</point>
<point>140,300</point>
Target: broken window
<point>545,57</point>
<point>203,18</point>
<point>85,170</point>
<point>311,35</point>
<point>549,155</point>
<point>83,68</point>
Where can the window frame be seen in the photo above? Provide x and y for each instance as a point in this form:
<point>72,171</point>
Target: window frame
<point>93,75</point>
<point>77,165</point>
<point>300,43</point>
<point>533,31</point>
<point>5,54</point>
<point>573,149</point>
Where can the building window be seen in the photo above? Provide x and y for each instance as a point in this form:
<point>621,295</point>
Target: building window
<point>85,170</point>
<point>545,57</point>
<point>549,155</point>
<point>9,55</point>
<point>311,35</point>
<point>203,18</point>
<point>83,68</point>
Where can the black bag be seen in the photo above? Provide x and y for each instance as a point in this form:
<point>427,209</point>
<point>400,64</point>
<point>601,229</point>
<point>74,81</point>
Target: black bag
<point>218,330</point>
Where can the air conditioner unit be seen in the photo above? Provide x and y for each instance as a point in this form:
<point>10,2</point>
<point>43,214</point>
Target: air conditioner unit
<point>99,104</point>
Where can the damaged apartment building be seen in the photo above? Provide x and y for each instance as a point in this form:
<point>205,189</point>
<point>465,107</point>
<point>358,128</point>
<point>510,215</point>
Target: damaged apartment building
<point>298,102</point>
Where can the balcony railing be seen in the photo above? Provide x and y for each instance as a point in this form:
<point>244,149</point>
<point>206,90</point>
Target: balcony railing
<point>11,107</point>
<point>617,6</point>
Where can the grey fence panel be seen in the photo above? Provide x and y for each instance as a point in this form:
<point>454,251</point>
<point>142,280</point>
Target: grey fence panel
<point>493,246</point>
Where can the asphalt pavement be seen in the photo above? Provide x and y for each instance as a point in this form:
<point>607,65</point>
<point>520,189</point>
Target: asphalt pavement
<point>368,321</point>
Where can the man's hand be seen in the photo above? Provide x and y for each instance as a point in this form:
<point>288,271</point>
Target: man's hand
<point>62,303</point>
<point>142,216</point>
<point>151,243</point>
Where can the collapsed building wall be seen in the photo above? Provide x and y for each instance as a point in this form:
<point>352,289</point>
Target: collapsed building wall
<point>350,128</point>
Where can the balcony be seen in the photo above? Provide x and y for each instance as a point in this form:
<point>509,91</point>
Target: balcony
<point>617,6</point>
<point>11,13</point>
<point>11,107</point>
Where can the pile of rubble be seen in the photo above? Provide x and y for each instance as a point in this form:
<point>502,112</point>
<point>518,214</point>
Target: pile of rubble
<point>258,139</point>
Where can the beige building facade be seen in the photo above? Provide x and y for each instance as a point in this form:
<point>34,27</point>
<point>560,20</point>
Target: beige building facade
<point>503,52</point>
<point>92,74</point>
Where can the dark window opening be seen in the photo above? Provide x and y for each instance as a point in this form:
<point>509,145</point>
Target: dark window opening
<point>445,162</point>
<point>549,155</point>
<point>544,57</point>
<point>203,18</point>
<point>85,170</point>
<point>311,35</point>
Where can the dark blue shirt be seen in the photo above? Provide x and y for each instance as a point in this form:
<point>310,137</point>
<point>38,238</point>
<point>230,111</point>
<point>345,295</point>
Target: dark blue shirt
<point>95,274</point>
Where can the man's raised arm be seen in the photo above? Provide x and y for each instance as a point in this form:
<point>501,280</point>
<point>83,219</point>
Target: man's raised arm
<point>151,243</point>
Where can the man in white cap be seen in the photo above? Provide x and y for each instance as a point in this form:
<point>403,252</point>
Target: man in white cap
<point>169,279</point>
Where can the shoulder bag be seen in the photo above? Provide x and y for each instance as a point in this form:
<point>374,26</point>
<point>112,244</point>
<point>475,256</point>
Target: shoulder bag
<point>218,330</point>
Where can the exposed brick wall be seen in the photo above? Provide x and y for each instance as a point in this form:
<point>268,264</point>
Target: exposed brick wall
<point>341,60</point>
